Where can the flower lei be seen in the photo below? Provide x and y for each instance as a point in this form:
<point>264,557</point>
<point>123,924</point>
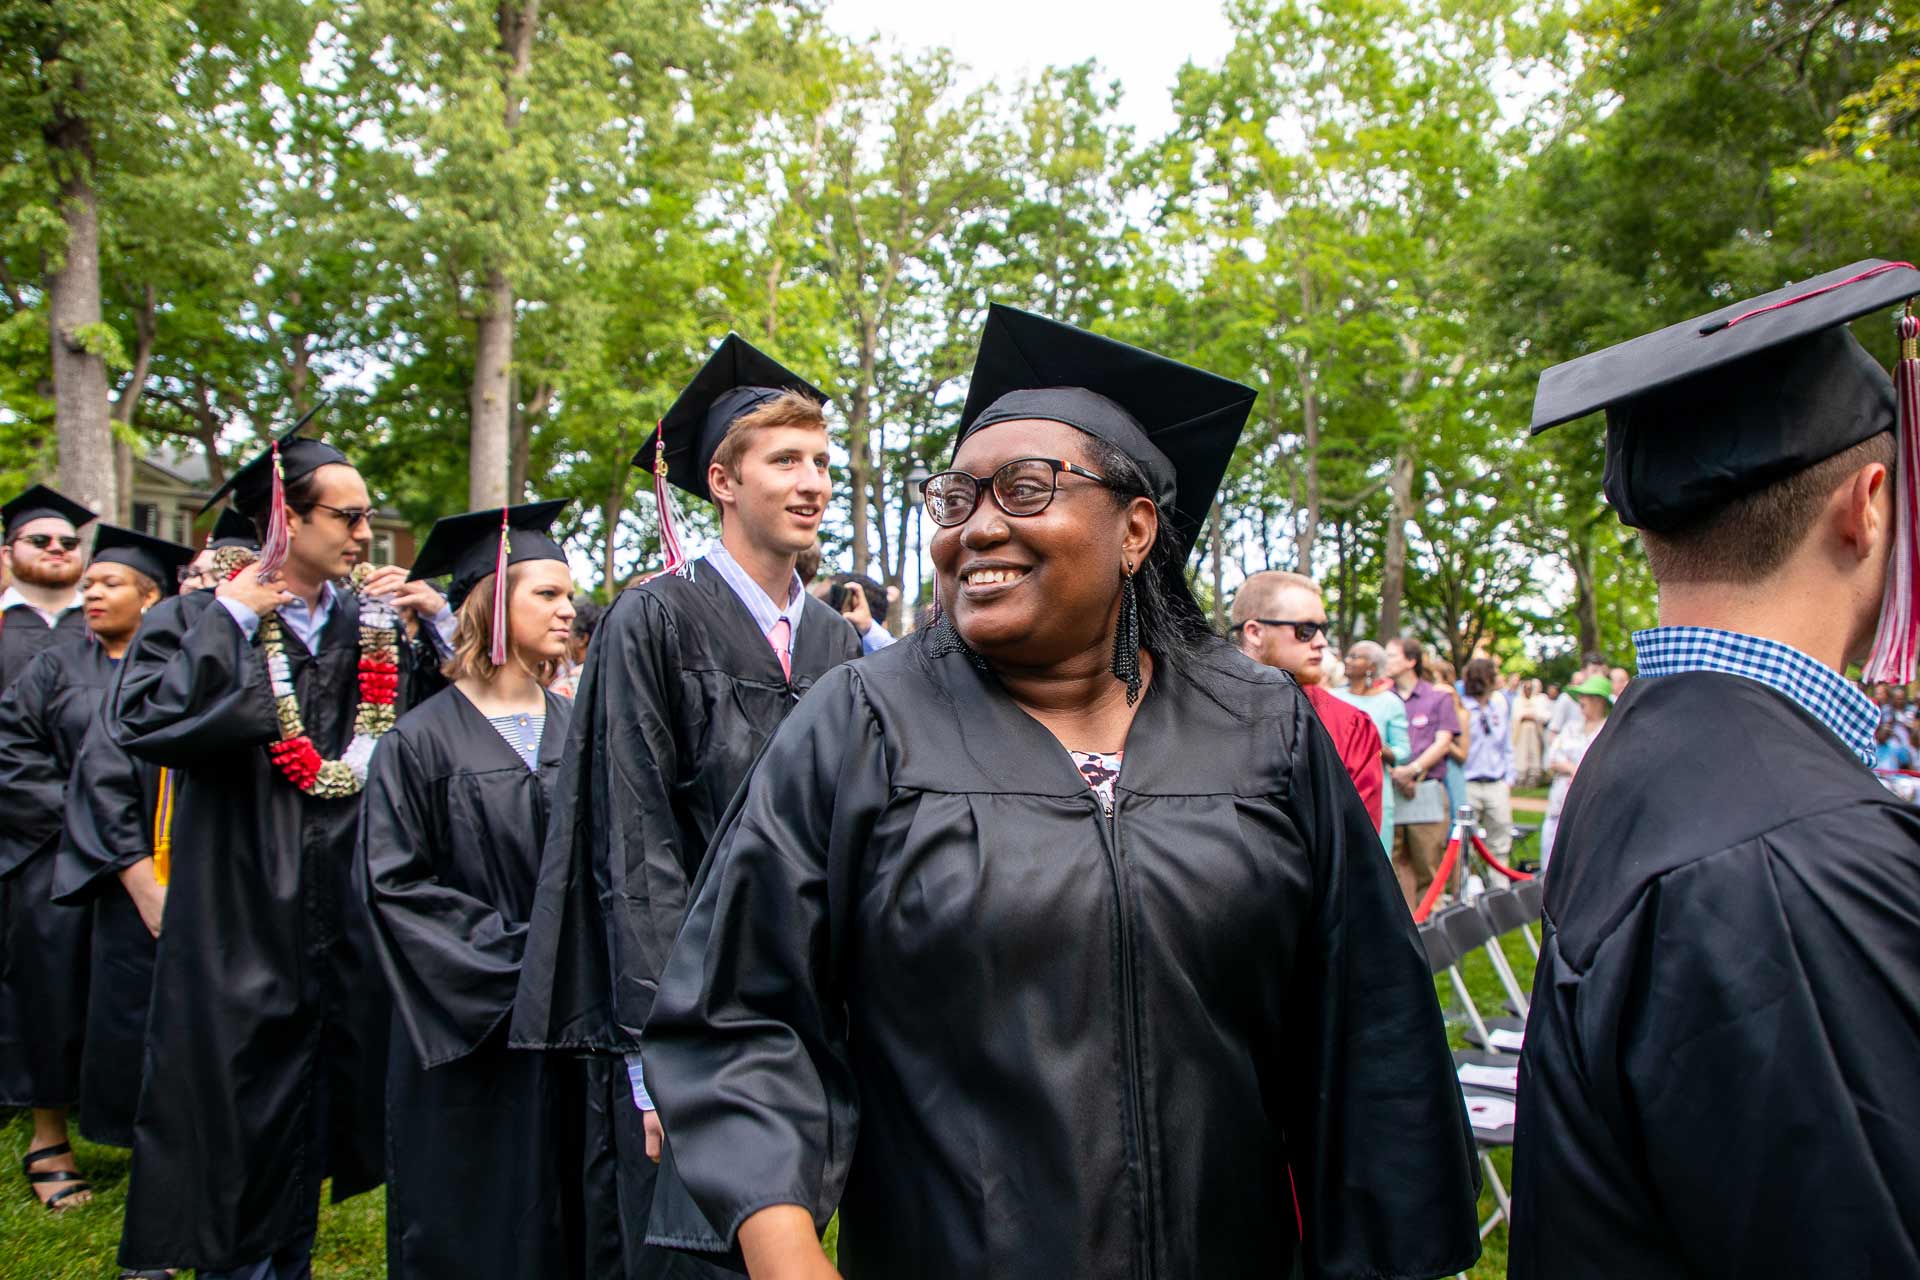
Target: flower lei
<point>294,754</point>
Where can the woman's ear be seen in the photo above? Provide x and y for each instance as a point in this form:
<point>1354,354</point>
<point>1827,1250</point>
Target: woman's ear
<point>1141,528</point>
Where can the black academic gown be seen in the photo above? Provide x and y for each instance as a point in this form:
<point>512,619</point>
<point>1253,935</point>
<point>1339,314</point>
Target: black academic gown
<point>44,945</point>
<point>111,811</point>
<point>681,691</point>
<point>484,1143</point>
<point>1720,1070</point>
<point>927,981</point>
<point>24,633</point>
<point>265,1064</point>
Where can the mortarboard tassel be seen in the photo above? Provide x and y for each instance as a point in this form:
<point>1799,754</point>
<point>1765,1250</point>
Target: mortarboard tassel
<point>669,510</point>
<point>498,651</point>
<point>1897,640</point>
<point>273,545</point>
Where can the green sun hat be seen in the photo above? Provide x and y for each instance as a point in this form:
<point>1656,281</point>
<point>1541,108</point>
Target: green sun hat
<point>1593,687</point>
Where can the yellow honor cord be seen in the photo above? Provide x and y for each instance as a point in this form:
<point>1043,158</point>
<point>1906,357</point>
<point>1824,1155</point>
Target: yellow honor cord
<point>163,828</point>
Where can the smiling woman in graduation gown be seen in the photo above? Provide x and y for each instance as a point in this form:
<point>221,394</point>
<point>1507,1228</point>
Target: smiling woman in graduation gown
<point>1012,1028</point>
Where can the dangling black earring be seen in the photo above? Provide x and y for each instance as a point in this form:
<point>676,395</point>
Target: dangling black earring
<point>946,639</point>
<point>1126,639</point>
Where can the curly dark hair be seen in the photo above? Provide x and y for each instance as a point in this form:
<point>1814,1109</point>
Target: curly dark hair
<point>1173,628</point>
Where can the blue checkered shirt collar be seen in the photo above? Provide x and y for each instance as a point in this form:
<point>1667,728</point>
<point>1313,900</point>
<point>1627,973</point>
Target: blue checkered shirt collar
<point>1818,689</point>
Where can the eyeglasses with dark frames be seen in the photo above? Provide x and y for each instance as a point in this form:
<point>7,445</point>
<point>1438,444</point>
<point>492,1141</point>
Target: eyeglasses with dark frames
<point>1021,488</point>
<point>1304,632</point>
<point>350,516</point>
<point>41,541</point>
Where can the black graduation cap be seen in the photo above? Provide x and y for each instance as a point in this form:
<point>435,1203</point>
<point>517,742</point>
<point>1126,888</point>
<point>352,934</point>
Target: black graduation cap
<point>233,530</point>
<point>159,559</point>
<point>736,379</point>
<point>466,547</point>
<point>38,503</point>
<point>1178,423</point>
<point>1716,407</point>
<point>252,485</point>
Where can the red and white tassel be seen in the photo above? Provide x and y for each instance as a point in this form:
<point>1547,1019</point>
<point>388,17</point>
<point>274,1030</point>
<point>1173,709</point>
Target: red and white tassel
<point>1897,641</point>
<point>273,545</point>
<point>497,654</point>
<point>669,510</point>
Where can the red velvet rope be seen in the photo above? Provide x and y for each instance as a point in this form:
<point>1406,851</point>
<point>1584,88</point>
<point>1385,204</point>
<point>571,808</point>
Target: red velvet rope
<point>1440,878</point>
<point>1445,873</point>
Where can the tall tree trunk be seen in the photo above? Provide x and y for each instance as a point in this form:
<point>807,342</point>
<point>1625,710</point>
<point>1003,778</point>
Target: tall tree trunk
<point>1586,600</point>
<point>520,437</point>
<point>125,405</point>
<point>859,452</point>
<point>1393,577</point>
<point>1215,549</point>
<point>1306,531</point>
<point>81,424</point>
<point>490,398</point>
<point>610,531</point>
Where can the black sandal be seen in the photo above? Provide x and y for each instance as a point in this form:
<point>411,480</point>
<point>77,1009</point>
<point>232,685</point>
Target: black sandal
<point>54,1175</point>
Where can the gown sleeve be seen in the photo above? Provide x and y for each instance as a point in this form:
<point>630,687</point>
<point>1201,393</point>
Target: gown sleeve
<point>191,684</point>
<point>746,1052</point>
<point>1381,1153</point>
<point>109,827</point>
<point>452,961</point>
<point>32,783</point>
<point>1768,1053</point>
<point>614,876</point>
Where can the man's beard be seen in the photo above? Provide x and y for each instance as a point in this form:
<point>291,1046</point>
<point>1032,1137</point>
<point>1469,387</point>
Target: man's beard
<point>49,575</point>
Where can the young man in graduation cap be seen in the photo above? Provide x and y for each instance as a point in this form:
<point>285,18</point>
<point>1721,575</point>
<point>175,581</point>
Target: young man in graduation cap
<point>1718,1077</point>
<point>267,695</point>
<point>687,677</point>
<point>41,606</point>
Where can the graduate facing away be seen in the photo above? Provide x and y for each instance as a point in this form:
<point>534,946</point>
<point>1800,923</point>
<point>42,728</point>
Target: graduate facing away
<point>687,678</point>
<point>1718,1078</point>
<point>1054,940</point>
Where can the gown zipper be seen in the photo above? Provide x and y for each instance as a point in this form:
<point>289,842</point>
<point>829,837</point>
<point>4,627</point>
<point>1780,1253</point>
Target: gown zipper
<point>1130,1033</point>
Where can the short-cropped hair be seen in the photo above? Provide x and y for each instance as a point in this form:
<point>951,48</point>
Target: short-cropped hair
<point>1750,538</point>
<point>788,409</point>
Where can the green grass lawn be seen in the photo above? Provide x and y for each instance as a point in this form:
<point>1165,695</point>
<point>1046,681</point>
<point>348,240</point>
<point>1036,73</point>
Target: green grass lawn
<point>36,1245</point>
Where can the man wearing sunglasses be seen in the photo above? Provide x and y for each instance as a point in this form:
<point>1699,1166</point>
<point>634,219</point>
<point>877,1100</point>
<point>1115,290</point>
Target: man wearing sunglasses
<point>43,556</point>
<point>1280,621</point>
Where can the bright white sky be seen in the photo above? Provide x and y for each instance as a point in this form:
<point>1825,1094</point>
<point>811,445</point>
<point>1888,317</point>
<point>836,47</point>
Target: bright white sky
<point>1140,44</point>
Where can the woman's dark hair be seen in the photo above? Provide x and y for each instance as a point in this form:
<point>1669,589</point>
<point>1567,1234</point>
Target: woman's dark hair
<point>1172,626</point>
<point>1478,677</point>
<point>303,495</point>
<point>586,616</point>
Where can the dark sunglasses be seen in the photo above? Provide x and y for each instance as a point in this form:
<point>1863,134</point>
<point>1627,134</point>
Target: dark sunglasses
<point>41,541</point>
<point>1023,487</point>
<point>1304,632</point>
<point>350,516</point>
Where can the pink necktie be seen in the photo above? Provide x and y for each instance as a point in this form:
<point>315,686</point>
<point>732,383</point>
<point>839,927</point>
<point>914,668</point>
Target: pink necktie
<point>778,639</point>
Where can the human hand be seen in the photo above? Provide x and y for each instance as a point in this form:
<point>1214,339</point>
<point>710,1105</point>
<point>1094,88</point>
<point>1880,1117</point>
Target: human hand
<point>148,894</point>
<point>656,1135</point>
<point>389,582</point>
<point>855,609</point>
<point>246,588</point>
